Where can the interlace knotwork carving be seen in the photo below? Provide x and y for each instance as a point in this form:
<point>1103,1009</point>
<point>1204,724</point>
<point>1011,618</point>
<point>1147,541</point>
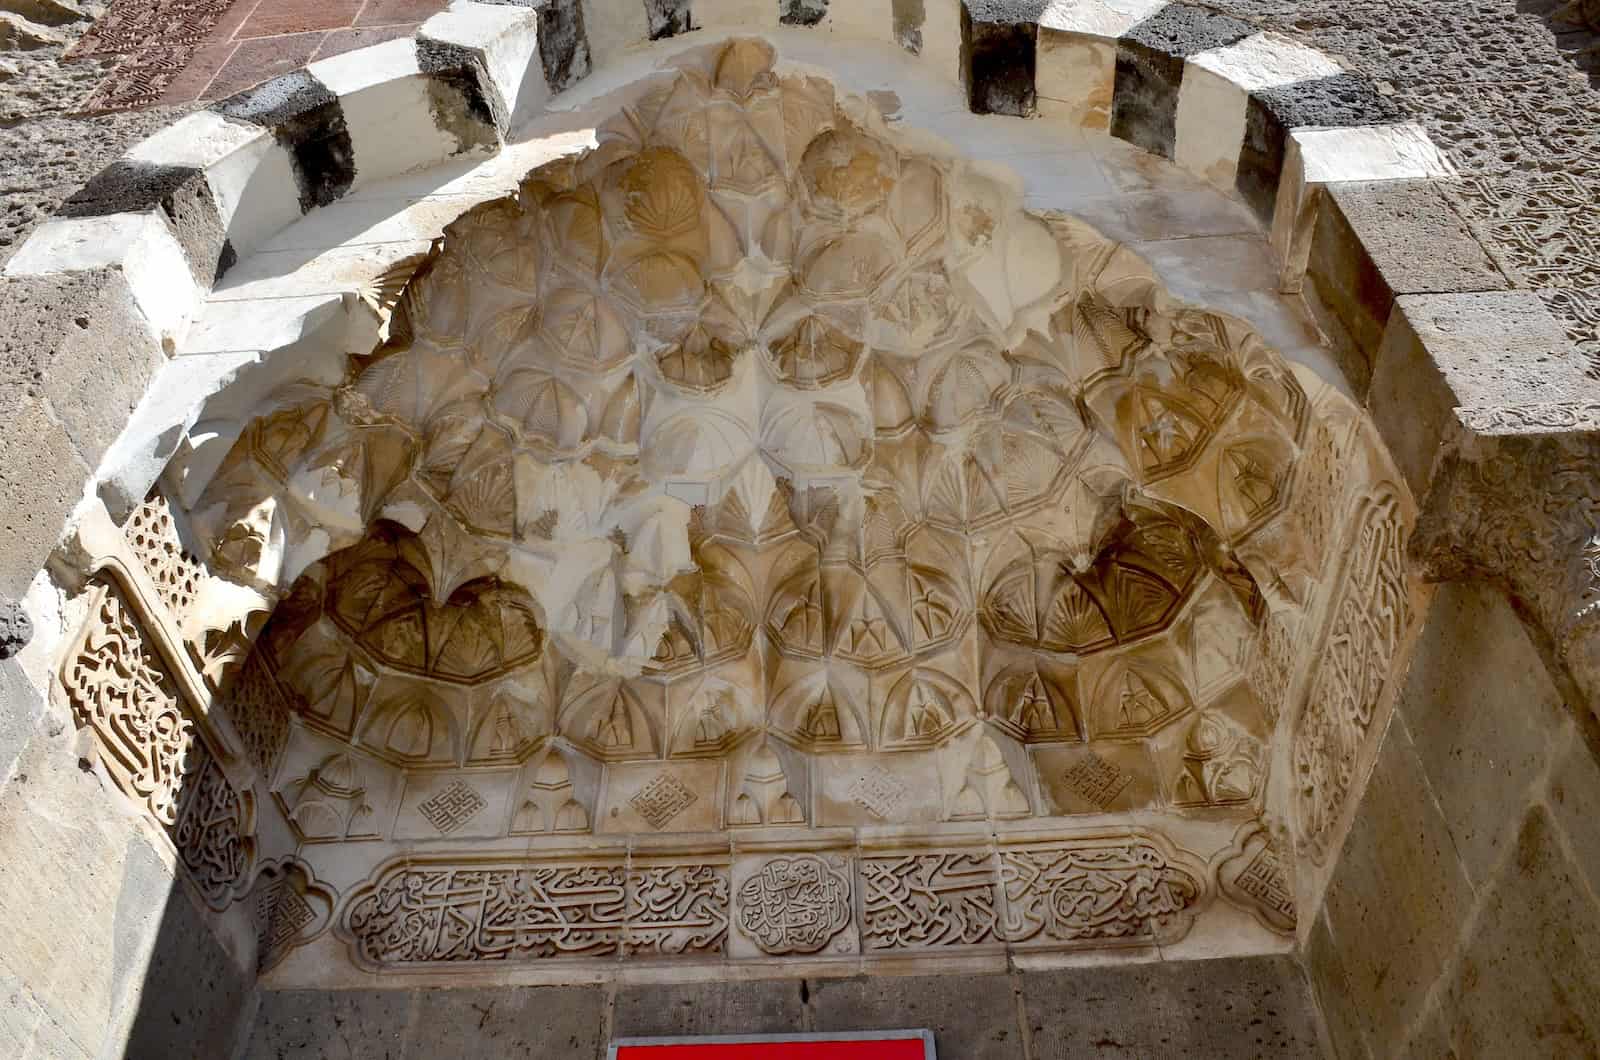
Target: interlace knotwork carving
<point>674,909</point>
<point>281,911</point>
<point>795,905</point>
<point>1096,893</point>
<point>259,714</point>
<point>119,689</point>
<point>1369,617</point>
<point>211,832</point>
<point>417,914</point>
<point>154,538</point>
<point>1098,781</point>
<point>662,799</point>
<point>922,900</point>
<point>452,807</point>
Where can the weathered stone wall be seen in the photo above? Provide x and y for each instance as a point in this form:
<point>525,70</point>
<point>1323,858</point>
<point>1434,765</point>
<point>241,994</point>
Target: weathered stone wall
<point>1462,919</point>
<point>1259,1006</point>
<point>48,148</point>
<point>105,954</point>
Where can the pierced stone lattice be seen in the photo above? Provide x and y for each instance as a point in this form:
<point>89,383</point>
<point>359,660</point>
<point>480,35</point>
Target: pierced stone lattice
<point>154,538</point>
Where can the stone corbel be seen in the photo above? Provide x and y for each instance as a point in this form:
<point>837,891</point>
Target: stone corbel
<point>1515,499</point>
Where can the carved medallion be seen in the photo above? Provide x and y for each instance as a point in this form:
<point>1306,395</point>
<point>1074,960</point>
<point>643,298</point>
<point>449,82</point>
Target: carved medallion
<point>795,905</point>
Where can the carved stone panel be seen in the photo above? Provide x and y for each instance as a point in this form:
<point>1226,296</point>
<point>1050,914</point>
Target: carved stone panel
<point>430,913</point>
<point>1117,890</point>
<point>1369,617</point>
<point>678,910</point>
<point>798,904</point>
<point>119,688</point>
<point>918,901</point>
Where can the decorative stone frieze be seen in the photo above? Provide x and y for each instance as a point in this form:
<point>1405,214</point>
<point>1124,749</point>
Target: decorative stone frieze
<point>1371,615</point>
<point>1098,892</point>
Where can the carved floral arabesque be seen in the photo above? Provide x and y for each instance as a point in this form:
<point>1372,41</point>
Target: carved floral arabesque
<point>1370,615</point>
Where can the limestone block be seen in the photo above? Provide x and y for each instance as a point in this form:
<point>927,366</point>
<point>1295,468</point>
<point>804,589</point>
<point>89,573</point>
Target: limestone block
<point>394,119</point>
<point>504,39</point>
<point>1485,716</point>
<point>1226,1007</point>
<point>1376,240</point>
<point>306,119</point>
<point>554,1021</point>
<point>193,998</point>
<point>1513,500</point>
<point>1327,968</point>
<point>21,707</point>
<point>249,173</point>
<point>1528,980</point>
<point>42,477</point>
<point>1340,100</point>
<point>179,195</point>
<point>139,246</point>
<point>1398,894</point>
<point>970,1015</point>
<point>369,1024</point>
<point>1215,98</point>
<point>1573,799</point>
<point>1313,157</point>
<point>1443,352</point>
<point>70,339</point>
<point>739,1007</point>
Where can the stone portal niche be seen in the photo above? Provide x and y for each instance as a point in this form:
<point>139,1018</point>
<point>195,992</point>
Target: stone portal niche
<point>761,537</point>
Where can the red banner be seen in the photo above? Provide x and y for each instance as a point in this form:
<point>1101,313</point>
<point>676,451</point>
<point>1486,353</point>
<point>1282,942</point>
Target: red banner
<point>895,1046</point>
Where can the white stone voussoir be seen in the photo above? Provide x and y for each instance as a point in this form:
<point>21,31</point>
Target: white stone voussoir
<point>1317,157</point>
<point>1215,96</point>
<point>140,245</point>
<point>507,39</point>
<point>249,173</point>
<point>390,112</point>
